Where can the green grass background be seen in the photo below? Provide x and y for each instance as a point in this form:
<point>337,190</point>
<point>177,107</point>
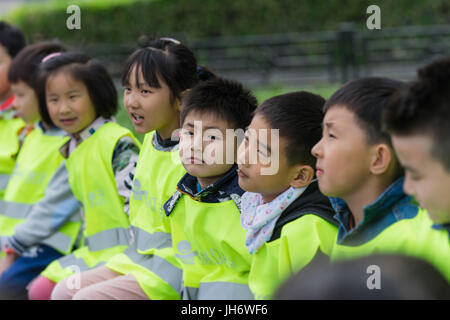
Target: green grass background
<point>260,93</point>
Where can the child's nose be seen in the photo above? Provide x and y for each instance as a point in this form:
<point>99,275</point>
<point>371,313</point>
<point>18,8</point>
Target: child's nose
<point>241,154</point>
<point>316,150</point>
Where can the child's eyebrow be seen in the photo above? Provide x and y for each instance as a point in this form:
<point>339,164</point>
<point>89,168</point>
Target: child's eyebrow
<point>188,124</point>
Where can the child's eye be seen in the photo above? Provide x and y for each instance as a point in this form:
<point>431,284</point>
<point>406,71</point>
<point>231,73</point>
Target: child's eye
<point>212,137</point>
<point>332,136</point>
<point>188,133</point>
<point>127,89</point>
<point>143,91</point>
<point>72,97</point>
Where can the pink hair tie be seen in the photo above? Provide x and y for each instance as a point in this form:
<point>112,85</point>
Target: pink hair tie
<point>51,55</point>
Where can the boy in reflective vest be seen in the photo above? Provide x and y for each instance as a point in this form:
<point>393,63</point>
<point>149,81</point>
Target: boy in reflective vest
<point>11,42</point>
<point>204,213</point>
<point>357,167</point>
<point>288,221</point>
<point>418,119</point>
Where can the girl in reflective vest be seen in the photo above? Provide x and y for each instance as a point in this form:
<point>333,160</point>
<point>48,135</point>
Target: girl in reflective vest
<point>39,219</point>
<point>11,42</point>
<point>155,78</point>
<point>78,96</point>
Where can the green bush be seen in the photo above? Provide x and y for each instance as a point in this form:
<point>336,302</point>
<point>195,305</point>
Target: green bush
<point>123,21</point>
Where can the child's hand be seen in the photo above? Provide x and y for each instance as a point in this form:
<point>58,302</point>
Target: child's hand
<point>7,262</point>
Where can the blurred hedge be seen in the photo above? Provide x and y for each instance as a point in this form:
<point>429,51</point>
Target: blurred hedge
<point>122,21</point>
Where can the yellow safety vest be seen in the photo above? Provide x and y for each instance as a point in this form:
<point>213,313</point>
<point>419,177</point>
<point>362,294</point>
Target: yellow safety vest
<point>36,164</point>
<point>156,177</point>
<point>209,244</point>
<point>9,147</point>
<point>299,242</point>
<point>91,178</point>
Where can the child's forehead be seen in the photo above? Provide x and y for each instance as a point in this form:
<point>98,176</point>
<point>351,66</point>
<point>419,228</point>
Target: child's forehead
<point>207,119</point>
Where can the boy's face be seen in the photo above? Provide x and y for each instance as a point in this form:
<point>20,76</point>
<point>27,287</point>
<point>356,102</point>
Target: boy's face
<point>426,179</point>
<point>5,62</point>
<point>25,102</point>
<point>203,147</point>
<point>342,154</point>
<point>266,149</point>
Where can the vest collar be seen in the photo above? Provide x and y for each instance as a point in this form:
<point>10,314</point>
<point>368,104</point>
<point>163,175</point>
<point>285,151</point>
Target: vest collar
<point>222,190</point>
<point>381,207</point>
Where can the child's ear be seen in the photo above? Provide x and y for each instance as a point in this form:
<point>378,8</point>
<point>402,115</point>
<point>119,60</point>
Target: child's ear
<point>178,104</point>
<point>303,176</point>
<point>381,159</point>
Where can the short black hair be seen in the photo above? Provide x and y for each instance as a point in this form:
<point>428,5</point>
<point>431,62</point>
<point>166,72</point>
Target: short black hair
<point>423,107</point>
<point>227,99</point>
<point>366,98</point>
<point>298,116</point>
<point>25,66</point>
<point>11,38</point>
<point>169,60</point>
<point>81,67</point>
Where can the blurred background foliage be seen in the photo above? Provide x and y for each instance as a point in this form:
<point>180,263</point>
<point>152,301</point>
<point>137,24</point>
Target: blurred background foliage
<point>123,21</point>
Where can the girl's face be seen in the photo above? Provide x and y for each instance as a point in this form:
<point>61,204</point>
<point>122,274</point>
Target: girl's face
<point>69,104</point>
<point>150,108</point>
<point>25,102</point>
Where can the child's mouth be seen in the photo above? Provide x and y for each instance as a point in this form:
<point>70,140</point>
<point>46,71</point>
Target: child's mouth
<point>137,119</point>
<point>67,122</point>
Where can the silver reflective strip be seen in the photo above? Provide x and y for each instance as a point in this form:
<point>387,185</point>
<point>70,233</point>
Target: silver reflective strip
<point>224,291</point>
<point>159,266</point>
<point>108,239</point>
<point>4,178</point>
<point>15,210</point>
<point>59,241</point>
<point>146,241</point>
<point>189,293</point>
<point>74,263</point>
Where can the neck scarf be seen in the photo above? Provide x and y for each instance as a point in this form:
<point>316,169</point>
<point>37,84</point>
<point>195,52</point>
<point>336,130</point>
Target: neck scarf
<point>259,218</point>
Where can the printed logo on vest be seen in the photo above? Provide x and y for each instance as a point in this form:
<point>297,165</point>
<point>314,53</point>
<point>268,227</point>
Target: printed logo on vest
<point>95,198</point>
<point>153,203</point>
<point>206,257</point>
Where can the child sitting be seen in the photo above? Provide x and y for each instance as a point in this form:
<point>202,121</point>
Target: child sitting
<point>418,119</point>
<point>288,221</point>
<point>204,215</point>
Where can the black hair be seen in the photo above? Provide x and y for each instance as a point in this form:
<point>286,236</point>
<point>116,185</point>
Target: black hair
<point>298,116</point>
<point>423,107</point>
<point>25,66</point>
<point>227,99</point>
<point>80,67</point>
<point>11,38</point>
<point>400,277</point>
<point>170,61</point>
<point>365,98</point>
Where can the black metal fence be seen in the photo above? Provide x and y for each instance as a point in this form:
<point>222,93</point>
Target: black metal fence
<point>327,56</point>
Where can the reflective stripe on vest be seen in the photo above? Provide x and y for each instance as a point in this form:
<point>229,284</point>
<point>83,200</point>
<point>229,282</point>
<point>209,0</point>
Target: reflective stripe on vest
<point>107,239</point>
<point>159,266</point>
<point>59,241</point>
<point>15,210</point>
<point>218,291</point>
<point>146,240</point>
<point>71,261</point>
<point>4,178</point>
<point>209,244</point>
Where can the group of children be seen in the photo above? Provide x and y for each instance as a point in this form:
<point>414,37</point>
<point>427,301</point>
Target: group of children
<point>197,211</point>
